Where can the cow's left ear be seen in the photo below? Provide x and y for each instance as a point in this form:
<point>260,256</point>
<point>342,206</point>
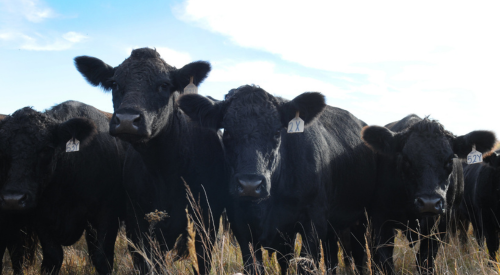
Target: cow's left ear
<point>205,111</point>
<point>309,105</point>
<point>82,129</point>
<point>198,70</point>
<point>484,141</point>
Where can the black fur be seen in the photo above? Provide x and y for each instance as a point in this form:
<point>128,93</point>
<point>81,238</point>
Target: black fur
<point>65,193</point>
<point>165,147</point>
<point>95,71</point>
<point>315,183</point>
<point>416,159</point>
<point>481,204</point>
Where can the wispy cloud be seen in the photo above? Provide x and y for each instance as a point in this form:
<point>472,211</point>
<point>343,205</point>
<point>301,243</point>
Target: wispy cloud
<point>32,10</point>
<point>40,42</point>
<point>264,74</point>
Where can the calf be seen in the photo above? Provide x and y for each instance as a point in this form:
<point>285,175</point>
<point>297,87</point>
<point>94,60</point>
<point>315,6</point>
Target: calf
<point>166,147</point>
<point>315,183</point>
<point>481,203</point>
<point>419,180</point>
<point>60,193</point>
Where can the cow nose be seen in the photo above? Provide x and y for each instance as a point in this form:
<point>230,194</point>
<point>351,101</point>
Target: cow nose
<point>127,123</point>
<point>14,201</point>
<point>429,205</point>
<point>251,186</point>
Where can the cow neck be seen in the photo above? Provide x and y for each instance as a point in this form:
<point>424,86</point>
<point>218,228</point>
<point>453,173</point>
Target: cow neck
<point>163,153</point>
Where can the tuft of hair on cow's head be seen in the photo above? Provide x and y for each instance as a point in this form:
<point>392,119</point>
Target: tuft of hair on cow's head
<point>210,113</point>
<point>82,129</point>
<point>384,141</point>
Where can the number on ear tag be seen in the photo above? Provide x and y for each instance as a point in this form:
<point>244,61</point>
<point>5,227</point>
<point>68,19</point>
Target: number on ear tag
<point>474,156</point>
<point>73,145</point>
<point>191,88</point>
<point>296,125</point>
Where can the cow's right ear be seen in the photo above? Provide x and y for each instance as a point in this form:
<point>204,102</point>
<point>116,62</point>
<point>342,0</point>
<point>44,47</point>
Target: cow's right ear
<point>208,113</point>
<point>82,129</point>
<point>95,71</point>
<point>380,139</point>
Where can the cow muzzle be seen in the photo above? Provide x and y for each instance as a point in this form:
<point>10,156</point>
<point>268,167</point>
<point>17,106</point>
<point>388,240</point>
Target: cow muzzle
<point>253,186</point>
<point>14,201</point>
<point>429,206</point>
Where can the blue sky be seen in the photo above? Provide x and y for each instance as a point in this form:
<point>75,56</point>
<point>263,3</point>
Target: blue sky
<point>381,60</point>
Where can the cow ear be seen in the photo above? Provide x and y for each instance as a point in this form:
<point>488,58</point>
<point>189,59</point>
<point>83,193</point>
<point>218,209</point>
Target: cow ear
<point>309,105</point>
<point>380,139</point>
<point>484,141</point>
<point>82,129</point>
<point>208,113</point>
<point>198,70</point>
<point>95,71</point>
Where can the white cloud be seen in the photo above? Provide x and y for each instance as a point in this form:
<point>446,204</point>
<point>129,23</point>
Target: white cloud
<point>425,56</point>
<point>172,57</point>
<point>38,42</point>
<point>264,74</point>
<point>32,10</point>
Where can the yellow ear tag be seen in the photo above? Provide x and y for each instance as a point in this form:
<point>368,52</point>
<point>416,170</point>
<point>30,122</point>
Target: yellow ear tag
<point>474,156</point>
<point>191,88</point>
<point>73,145</point>
<point>296,125</point>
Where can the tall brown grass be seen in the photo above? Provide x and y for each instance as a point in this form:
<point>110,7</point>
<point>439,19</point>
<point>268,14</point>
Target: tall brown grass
<point>453,258</point>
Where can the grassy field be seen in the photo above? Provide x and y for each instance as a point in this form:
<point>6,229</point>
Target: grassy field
<point>226,259</point>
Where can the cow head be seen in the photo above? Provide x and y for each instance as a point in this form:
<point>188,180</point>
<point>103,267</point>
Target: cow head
<point>254,125</point>
<point>30,144</point>
<point>426,157</point>
<point>144,89</point>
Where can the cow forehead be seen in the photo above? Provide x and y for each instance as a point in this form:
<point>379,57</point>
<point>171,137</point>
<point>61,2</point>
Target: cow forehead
<point>252,116</point>
<point>426,147</point>
<point>21,136</point>
<point>142,70</point>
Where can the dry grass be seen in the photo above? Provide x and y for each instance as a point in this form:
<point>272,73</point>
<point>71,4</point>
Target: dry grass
<point>226,259</point>
<point>453,258</point>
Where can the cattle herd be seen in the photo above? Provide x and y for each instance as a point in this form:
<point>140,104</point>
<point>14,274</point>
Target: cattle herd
<point>74,169</point>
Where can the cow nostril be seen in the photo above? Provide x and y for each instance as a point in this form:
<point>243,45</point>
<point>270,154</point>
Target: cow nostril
<point>117,120</point>
<point>241,188</point>
<point>419,202</point>
<point>23,199</point>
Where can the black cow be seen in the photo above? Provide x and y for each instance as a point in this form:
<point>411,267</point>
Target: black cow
<point>316,182</point>
<point>481,204</point>
<point>62,193</point>
<point>14,235</point>
<point>167,148</point>
<point>419,179</point>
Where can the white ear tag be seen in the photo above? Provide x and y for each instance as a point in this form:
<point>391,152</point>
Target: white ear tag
<point>296,125</point>
<point>474,156</point>
<point>191,88</point>
<point>73,145</point>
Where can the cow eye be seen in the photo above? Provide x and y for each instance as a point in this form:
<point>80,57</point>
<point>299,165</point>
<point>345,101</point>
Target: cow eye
<point>164,87</point>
